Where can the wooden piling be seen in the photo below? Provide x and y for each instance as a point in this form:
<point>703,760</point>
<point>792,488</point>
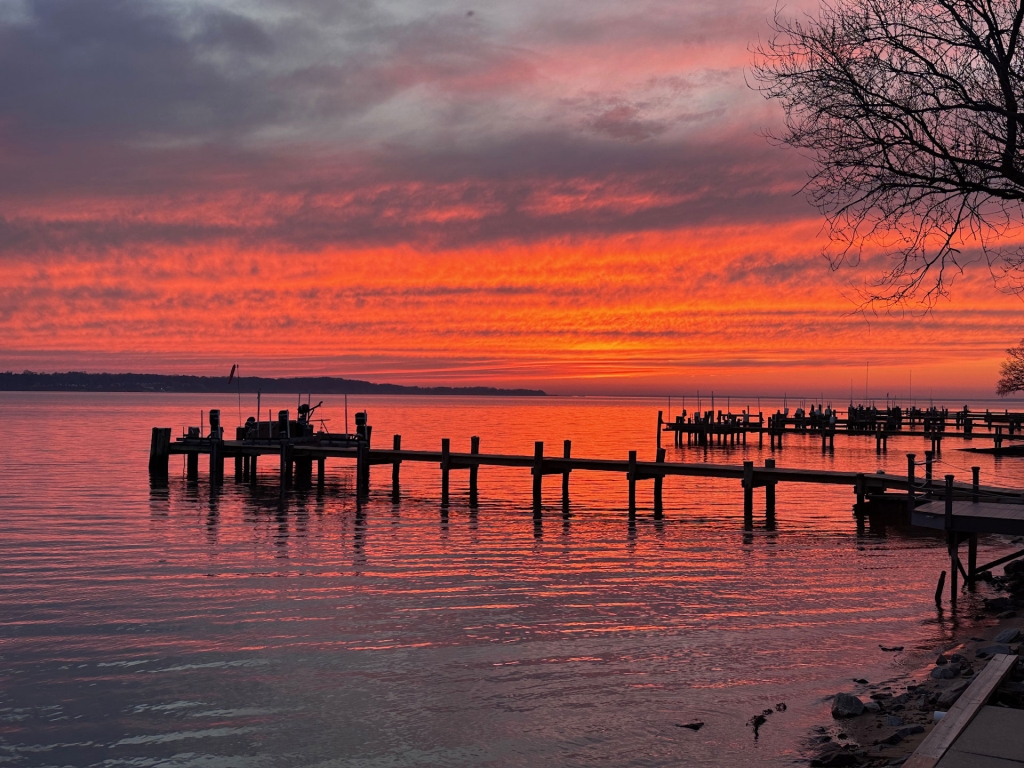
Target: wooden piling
<point>631,474</point>
<point>748,495</point>
<point>975,484</point>
<point>769,497</point>
<point>972,558</point>
<point>160,454</point>
<point>216,462</point>
<point>321,471</point>
<point>660,422</point>
<point>286,465</point>
<point>911,503</point>
<point>474,470</point>
<point>538,476</point>
<point>252,470</point>
<point>658,482</point>
<point>939,587</point>
<point>858,487</point>
<point>362,468</point>
<point>566,454</point>
<point>445,469</point>
<point>952,542</point>
<point>396,470</point>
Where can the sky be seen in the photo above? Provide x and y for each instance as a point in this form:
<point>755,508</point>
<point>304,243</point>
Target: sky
<point>575,196</point>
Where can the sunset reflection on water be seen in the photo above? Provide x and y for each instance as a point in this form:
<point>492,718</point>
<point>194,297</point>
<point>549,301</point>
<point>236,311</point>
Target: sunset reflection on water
<point>190,626</point>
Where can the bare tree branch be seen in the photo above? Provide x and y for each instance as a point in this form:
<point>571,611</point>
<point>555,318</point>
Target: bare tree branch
<point>910,111</point>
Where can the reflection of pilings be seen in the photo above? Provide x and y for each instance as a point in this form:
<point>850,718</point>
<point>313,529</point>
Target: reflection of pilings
<point>286,465</point>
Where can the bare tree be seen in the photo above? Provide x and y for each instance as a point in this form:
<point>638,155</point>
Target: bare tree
<point>910,112</point>
<point>1011,372</point>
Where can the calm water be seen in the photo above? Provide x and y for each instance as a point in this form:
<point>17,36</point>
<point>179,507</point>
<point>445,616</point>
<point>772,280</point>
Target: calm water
<point>184,628</point>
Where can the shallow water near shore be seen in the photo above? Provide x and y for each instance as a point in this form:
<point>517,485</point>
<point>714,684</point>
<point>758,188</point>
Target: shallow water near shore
<point>186,627</point>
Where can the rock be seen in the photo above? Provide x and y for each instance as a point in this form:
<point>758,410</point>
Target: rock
<point>1008,635</point>
<point>846,705</point>
<point>881,695</point>
<point>948,697</point>
<point>756,722</point>
<point>873,707</point>
<point>696,725</point>
<point>891,648</point>
<point>911,730</point>
<point>956,658</point>
<point>1014,566</point>
<point>893,721</point>
<point>834,756</point>
<point>1007,615</point>
<point>860,681</point>
<point>780,707</point>
<point>991,650</point>
<point>947,672</point>
<point>923,704</point>
<point>941,660</point>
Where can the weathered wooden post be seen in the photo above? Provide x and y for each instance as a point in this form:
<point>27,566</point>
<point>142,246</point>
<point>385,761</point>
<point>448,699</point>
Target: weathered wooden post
<point>769,496</point>
<point>286,465</point>
<point>972,558</point>
<point>396,470</point>
<point>216,462</point>
<point>929,457</point>
<point>566,454</point>
<point>362,468</point>
<point>858,486</point>
<point>159,455</point>
<point>910,483</point>
<point>321,471</point>
<point>951,541</point>
<point>631,475</point>
<point>252,470</point>
<point>445,469</point>
<point>474,470</point>
<point>660,422</point>
<point>748,495</point>
<point>538,476</point>
<point>659,480</point>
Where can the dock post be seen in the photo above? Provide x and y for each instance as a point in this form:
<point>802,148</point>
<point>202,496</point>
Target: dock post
<point>859,488</point>
<point>474,448</point>
<point>566,453</point>
<point>748,495</point>
<point>160,455</point>
<point>910,483</point>
<point>538,476</point>
<point>976,485</point>
<point>632,484</point>
<point>216,462</point>
<point>658,482</point>
<point>445,468</point>
<point>972,558</point>
<point>286,466</point>
<point>239,458</point>
<point>362,468</point>
<point>660,422</point>
<point>929,457</point>
<point>321,471</point>
<point>951,540</point>
<point>395,470</point>
<point>252,470</point>
<point>769,497</point>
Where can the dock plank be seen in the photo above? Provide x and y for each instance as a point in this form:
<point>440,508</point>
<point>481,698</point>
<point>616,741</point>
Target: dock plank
<point>960,715</point>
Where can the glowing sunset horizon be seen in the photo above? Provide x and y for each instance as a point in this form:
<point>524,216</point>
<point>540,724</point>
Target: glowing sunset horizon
<point>542,195</point>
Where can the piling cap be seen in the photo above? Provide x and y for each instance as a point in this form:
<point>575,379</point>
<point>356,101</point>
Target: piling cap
<point>361,419</point>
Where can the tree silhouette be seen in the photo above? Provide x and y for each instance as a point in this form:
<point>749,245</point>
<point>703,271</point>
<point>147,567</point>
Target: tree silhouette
<point>910,112</point>
<point>1011,372</point>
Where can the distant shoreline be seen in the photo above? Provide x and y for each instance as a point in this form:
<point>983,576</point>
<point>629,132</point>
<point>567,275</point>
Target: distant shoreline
<point>75,381</point>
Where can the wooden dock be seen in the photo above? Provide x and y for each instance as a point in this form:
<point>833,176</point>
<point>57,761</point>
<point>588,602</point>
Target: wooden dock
<point>710,428</point>
<point>296,455</point>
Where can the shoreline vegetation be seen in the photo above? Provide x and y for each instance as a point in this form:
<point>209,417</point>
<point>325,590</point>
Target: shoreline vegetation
<point>77,381</point>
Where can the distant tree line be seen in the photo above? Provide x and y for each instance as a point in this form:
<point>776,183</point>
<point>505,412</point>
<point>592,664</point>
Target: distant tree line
<point>77,381</point>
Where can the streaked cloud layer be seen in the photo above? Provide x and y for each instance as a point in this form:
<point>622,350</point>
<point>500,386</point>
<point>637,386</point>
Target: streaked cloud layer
<point>572,195</point>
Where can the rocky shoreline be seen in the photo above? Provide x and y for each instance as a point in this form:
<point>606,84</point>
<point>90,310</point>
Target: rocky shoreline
<point>882,723</point>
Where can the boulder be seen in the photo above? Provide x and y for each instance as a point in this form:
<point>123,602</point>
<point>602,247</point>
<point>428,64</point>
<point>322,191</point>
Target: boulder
<point>991,650</point>
<point>846,705</point>
<point>947,672</point>
<point>1008,635</point>
<point>948,697</point>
